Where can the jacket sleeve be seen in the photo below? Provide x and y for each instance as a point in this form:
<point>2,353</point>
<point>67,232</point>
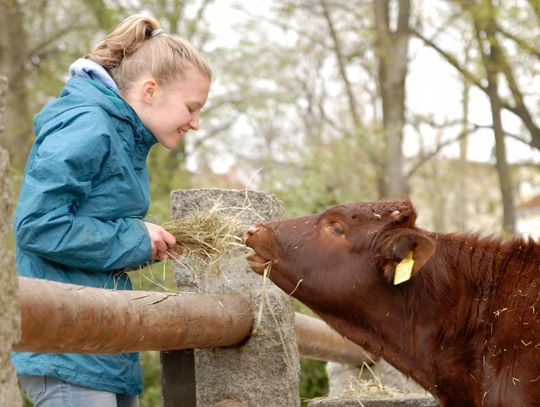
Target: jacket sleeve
<point>58,179</point>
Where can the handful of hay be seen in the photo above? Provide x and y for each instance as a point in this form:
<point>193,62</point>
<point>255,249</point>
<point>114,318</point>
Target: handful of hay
<point>207,236</point>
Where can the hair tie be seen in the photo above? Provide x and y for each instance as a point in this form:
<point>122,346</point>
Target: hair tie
<point>156,32</point>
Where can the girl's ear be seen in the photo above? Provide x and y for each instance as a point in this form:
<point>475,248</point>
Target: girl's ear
<point>404,246</point>
<point>148,90</point>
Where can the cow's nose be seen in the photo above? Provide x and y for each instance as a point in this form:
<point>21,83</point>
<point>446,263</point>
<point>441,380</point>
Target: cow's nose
<point>250,232</point>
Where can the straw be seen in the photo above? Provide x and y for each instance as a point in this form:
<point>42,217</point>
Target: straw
<point>207,236</point>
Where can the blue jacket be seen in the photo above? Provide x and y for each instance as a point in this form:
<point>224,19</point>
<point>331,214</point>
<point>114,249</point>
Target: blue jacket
<point>79,215</point>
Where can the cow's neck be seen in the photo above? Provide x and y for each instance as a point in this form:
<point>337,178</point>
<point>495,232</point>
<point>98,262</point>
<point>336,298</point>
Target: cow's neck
<point>416,334</point>
<point>388,338</point>
<point>398,347</point>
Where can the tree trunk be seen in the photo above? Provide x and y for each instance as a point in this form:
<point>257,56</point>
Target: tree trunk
<point>485,33</point>
<point>13,64</point>
<point>353,105</point>
<point>391,50</point>
<point>461,199</point>
<point>9,323</point>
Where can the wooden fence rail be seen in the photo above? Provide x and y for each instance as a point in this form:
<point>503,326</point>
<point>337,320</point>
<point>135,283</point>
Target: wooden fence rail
<point>65,318</point>
<point>316,340</point>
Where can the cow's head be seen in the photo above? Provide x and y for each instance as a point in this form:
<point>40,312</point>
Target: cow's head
<point>346,252</point>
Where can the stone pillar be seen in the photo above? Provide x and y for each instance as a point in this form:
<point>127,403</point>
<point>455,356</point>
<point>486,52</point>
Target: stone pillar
<point>9,322</point>
<point>264,371</point>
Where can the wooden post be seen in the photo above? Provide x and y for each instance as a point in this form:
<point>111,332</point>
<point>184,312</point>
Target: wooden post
<point>9,322</point>
<point>178,378</point>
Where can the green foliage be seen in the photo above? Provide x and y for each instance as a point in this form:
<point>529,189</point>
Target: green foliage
<point>151,396</point>
<point>313,380</point>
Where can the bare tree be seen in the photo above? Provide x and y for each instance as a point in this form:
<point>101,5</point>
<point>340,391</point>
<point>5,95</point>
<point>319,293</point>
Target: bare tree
<point>391,49</point>
<point>492,57</point>
<point>516,102</point>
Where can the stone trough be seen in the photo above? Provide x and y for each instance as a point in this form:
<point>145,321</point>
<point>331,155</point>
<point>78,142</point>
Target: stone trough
<point>401,401</point>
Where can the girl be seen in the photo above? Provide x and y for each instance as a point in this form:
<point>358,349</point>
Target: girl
<point>85,191</point>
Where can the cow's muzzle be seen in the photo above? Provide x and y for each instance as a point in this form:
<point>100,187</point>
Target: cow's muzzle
<point>258,238</point>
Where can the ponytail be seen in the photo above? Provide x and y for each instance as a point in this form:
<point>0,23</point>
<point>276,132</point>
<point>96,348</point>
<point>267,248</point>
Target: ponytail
<point>123,41</point>
<point>139,45</point>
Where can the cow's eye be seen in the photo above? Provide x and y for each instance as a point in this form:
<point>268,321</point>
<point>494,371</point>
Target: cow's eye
<point>337,228</point>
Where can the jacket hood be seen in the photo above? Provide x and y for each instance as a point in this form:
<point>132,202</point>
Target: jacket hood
<point>81,92</point>
<point>92,70</point>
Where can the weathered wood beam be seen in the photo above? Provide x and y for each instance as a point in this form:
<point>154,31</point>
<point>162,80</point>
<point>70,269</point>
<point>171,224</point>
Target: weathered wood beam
<point>316,340</point>
<point>65,318</point>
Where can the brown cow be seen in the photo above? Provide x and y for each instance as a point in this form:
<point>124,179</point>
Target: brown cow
<point>465,325</point>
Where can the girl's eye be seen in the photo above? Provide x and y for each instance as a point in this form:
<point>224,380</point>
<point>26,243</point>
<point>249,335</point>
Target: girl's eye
<point>337,228</point>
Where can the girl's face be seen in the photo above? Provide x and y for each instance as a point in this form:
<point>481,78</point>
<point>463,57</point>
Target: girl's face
<point>170,110</point>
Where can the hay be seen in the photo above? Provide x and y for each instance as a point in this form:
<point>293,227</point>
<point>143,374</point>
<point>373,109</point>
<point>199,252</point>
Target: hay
<point>207,240</point>
<point>207,236</point>
<point>361,389</point>
<point>370,389</point>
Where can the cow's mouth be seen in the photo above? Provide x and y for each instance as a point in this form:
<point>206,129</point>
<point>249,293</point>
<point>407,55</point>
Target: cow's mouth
<point>258,263</point>
<point>259,240</point>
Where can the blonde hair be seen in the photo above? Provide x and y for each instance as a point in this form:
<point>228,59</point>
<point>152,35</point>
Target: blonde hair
<point>135,48</point>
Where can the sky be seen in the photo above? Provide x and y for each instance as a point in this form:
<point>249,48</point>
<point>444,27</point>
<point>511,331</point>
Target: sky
<point>433,87</point>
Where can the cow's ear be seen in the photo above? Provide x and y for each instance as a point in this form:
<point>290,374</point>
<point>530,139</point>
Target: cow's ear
<point>407,251</point>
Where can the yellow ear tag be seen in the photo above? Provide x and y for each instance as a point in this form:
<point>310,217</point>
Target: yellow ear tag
<point>404,269</point>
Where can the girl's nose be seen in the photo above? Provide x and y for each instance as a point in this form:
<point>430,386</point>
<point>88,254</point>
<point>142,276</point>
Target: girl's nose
<point>194,123</point>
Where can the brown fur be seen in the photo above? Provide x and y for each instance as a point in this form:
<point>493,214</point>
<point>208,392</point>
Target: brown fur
<point>465,326</point>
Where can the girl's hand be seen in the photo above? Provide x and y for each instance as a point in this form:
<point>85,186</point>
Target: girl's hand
<point>162,241</point>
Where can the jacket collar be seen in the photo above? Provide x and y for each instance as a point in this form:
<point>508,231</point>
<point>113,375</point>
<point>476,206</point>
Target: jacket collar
<point>88,69</point>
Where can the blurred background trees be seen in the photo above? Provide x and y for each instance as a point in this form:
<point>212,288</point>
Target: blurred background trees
<point>323,101</point>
